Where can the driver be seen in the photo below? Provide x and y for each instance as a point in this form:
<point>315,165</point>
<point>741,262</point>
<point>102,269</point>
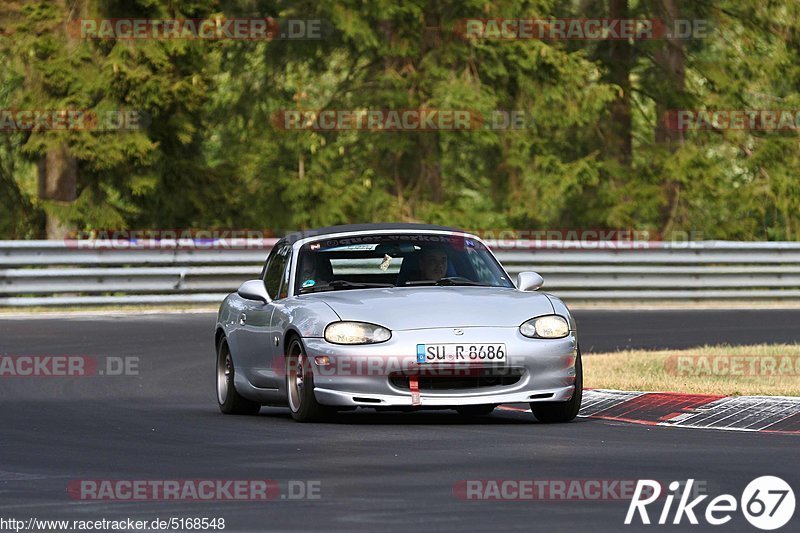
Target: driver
<point>308,270</point>
<point>433,264</point>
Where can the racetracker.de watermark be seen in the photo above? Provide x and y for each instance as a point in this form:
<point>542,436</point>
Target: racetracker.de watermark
<point>168,239</point>
<point>555,490</point>
<point>213,29</point>
<point>733,365</point>
<point>66,366</point>
<point>545,489</point>
<point>581,29</point>
<point>589,239</point>
<point>474,360</point>
<point>787,120</point>
<point>394,120</point>
<point>123,490</point>
<point>37,120</point>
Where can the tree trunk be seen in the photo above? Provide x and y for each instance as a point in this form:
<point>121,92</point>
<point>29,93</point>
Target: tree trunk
<point>620,59</point>
<point>58,182</point>
<point>58,169</point>
<point>670,61</point>
<point>430,169</point>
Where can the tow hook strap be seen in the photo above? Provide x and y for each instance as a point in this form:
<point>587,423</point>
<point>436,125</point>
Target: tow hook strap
<point>413,384</point>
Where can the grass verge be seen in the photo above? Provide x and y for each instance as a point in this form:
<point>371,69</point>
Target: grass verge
<point>758,370</point>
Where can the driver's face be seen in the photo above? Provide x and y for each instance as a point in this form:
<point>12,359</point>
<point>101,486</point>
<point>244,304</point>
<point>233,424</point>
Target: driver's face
<point>307,270</point>
<point>434,265</point>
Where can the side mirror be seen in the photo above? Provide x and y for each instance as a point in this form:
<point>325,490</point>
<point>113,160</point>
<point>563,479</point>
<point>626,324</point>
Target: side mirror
<point>529,281</point>
<point>254,290</point>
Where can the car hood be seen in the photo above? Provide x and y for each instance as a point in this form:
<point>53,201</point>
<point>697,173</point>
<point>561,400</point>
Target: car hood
<point>401,308</point>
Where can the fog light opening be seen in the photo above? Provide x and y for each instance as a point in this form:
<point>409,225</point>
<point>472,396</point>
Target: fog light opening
<point>358,399</point>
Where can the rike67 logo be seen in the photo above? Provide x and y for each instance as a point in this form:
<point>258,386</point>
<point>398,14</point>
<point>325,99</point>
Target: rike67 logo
<point>767,503</point>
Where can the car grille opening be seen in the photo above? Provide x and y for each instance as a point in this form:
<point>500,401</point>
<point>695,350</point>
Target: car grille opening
<point>486,377</point>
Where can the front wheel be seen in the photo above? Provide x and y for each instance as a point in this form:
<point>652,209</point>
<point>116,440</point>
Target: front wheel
<point>229,400</point>
<point>554,412</point>
<point>300,386</point>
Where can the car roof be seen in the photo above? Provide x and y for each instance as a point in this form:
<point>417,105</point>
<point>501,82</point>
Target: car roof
<point>348,228</point>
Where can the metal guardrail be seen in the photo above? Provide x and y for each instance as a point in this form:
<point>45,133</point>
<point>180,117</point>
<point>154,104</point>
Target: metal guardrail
<point>52,273</point>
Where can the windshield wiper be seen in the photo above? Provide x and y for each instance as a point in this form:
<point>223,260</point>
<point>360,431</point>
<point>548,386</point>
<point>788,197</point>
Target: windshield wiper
<point>449,281</point>
<point>456,280</point>
<point>341,284</point>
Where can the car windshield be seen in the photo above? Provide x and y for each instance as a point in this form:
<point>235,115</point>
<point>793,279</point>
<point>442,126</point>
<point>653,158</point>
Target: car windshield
<point>396,260</point>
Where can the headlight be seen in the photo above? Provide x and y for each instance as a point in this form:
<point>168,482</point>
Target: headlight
<point>545,327</point>
<point>356,333</point>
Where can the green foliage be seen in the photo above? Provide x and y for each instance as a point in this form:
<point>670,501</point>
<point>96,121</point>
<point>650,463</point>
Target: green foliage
<point>210,153</point>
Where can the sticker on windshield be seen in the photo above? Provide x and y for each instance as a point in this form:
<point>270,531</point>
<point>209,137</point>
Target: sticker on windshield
<point>309,283</point>
<point>387,260</point>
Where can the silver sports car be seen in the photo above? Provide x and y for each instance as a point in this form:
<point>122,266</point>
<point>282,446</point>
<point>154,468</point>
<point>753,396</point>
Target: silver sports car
<point>394,316</point>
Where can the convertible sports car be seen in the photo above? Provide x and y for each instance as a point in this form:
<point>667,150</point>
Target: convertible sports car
<point>394,316</point>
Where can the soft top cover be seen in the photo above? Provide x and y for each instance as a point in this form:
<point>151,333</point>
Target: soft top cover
<point>330,230</point>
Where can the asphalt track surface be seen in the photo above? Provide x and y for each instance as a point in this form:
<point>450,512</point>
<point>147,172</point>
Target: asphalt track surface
<point>387,471</point>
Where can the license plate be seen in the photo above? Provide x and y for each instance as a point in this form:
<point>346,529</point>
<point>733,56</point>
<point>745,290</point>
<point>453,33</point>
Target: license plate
<point>460,353</point>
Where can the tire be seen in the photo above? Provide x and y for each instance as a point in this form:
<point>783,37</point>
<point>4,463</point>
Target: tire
<point>475,410</point>
<point>229,400</point>
<point>557,412</point>
<point>300,386</point>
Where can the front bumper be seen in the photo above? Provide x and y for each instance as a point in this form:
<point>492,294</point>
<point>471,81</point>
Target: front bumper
<point>362,375</point>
